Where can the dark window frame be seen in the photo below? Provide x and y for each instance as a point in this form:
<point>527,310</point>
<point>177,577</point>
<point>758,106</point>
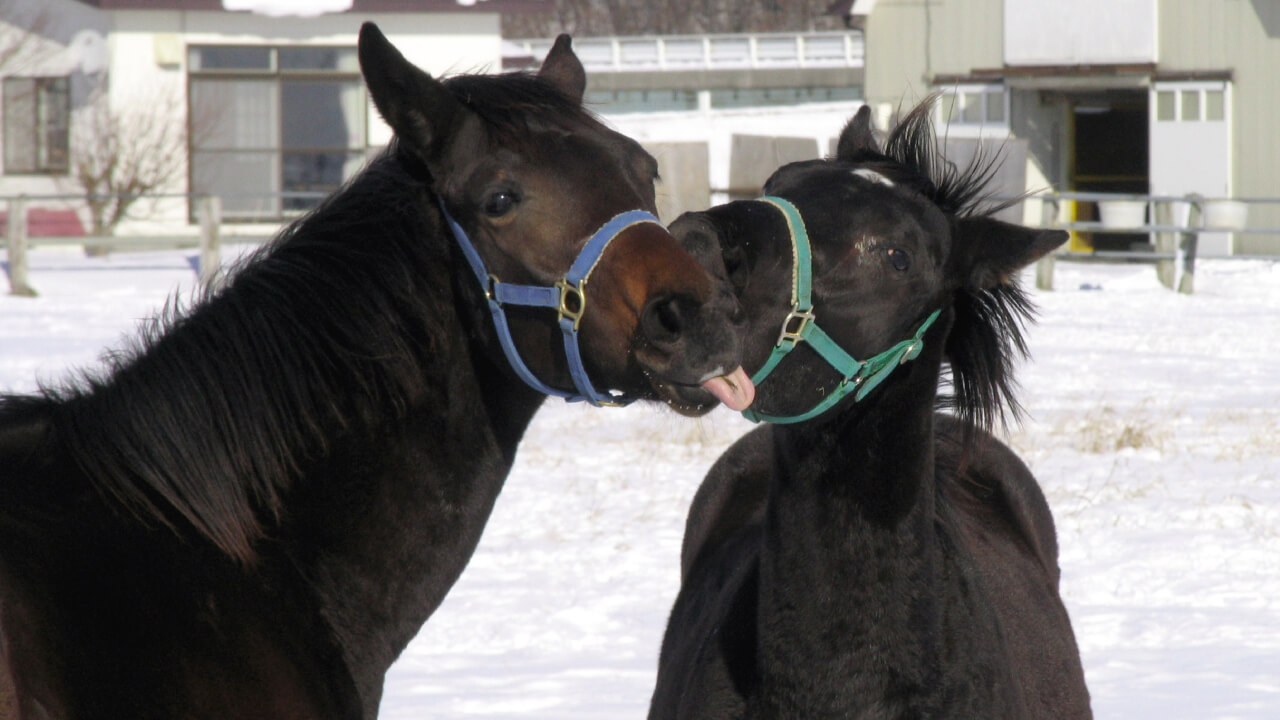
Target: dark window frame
<point>50,145</point>
<point>278,76</point>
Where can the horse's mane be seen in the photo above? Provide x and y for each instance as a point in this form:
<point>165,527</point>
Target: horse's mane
<point>206,418</point>
<point>986,339</point>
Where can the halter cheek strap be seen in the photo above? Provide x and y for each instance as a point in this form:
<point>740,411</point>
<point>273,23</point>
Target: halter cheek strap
<point>801,325</point>
<point>566,296</point>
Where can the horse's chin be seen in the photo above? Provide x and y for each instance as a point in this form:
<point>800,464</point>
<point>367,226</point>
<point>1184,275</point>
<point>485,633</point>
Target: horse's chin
<point>688,400</point>
<point>734,390</point>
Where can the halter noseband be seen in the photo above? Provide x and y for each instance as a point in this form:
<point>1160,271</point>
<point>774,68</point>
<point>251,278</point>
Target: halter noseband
<point>860,377</point>
<point>566,296</point>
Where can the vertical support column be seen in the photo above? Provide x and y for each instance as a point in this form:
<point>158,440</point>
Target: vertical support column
<point>1044,266</point>
<point>210,250</point>
<point>1166,243</point>
<point>1190,239</point>
<point>17,232</point>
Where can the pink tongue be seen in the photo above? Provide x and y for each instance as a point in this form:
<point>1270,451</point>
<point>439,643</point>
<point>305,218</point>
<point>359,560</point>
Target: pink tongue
<point>735,390</point>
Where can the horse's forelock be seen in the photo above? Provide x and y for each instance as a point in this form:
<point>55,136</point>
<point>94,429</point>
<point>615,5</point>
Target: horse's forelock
<point>514,106</point>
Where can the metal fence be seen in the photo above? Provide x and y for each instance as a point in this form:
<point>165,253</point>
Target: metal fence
<point>1174,226</point>
<point>708,52</point>
<point>51,229</point>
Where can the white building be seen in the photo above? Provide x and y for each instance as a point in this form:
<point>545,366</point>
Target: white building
<point>270,105</point>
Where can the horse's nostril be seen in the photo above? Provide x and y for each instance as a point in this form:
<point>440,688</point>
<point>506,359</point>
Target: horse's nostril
<point>669,316</point>
<point>666,317</point>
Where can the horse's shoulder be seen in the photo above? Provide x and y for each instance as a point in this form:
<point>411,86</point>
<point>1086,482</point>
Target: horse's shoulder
<point>992,487</point>
<point>708,662</point>
<point>733,494</point>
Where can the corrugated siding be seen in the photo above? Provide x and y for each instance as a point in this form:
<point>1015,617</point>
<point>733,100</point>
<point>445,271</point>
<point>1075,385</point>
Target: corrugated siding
<point>1233,35</point>
<point>964,35</point>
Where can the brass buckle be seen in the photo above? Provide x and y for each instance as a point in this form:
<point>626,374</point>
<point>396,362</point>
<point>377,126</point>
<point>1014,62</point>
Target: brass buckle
<point>491,289</point>
<point>795,336</point>
<point>573,301</point>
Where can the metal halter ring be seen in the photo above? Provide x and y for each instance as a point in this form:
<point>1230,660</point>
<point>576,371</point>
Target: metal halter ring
<point>568,291</point>
<point>795,336</point>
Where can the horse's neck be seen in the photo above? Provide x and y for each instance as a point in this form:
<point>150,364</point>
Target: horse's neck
<point>848,549</point>
<point>418,498</point>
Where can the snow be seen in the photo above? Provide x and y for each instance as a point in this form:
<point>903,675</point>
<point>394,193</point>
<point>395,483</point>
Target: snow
<point>1153,425</point>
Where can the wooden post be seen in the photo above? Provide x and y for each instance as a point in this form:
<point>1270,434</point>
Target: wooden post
<point>210,250</point>
<point>18,267</point>
<point>1048,219</point>
<point>1191,238</point>
<point>1166,242</point>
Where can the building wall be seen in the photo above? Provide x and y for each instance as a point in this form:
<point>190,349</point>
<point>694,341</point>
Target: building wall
<point>440,43</point>
<point>909,42</point>
<point>1242,36</point>
<point>145,53</point>
<point>71,39</point>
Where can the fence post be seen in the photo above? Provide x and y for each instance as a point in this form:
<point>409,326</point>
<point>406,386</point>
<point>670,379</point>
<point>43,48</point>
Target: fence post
<point>1166,242</point>
<point>1048,219</point>
<point>210,252</point>
<point>1191,238</point>
<point>17,232</point>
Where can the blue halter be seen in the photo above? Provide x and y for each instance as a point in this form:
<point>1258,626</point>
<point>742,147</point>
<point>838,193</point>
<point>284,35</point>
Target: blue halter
<point>567,297</point>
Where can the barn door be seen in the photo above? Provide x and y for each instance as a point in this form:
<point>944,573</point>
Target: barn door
<point>1191,147</point>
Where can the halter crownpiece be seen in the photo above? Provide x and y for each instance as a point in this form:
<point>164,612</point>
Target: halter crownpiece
<point>567,296</point>
<point>801,325</point>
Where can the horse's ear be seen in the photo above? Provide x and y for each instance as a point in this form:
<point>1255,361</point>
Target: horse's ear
<point>418,107</point>
<point>987,252</point>
<point>858,136</point>
<point>563,69</point>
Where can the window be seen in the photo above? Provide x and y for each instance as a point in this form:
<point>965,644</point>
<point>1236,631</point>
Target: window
<point>37,114</point>
<point>1196,101</point>
<point>1214,105</point>
<point>761,97</point>
<point>274,128</point>
<point>1190,105</point>
<point>619,102</point>
<point>975,105</point>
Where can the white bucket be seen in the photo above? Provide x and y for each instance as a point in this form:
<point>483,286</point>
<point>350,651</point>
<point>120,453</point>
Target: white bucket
<point>1225,215</point>
<point>1126,214</point>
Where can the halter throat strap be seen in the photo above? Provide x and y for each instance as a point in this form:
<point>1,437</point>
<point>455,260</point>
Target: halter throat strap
<point>567,296</point>
<point>859,377</point>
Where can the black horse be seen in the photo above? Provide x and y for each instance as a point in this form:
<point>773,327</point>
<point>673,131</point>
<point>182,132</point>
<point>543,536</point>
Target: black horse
<point>868,556</point>
<point>255,508</point>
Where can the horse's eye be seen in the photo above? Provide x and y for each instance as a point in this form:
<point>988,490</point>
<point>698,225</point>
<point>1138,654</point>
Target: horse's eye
<point>899,259</point>
<point>499,203</point>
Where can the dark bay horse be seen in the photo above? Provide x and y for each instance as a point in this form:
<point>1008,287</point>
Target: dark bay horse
<point>866,555</point>
<point>252,511</point>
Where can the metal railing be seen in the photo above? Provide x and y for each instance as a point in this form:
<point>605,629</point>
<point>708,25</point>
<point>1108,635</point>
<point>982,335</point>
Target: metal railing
<point>207,235</point>
<point>709,52</point>
<point>1175,224</point>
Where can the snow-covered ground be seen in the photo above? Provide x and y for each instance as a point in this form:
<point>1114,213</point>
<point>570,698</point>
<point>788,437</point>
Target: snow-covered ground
<point>1153,424</point>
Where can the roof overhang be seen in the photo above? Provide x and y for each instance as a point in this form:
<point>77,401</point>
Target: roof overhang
<point>1079,77</point>
<point>1059,77</point>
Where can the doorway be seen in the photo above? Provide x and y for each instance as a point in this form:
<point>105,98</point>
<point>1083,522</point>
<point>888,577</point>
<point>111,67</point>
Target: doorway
<point>1110,141</point>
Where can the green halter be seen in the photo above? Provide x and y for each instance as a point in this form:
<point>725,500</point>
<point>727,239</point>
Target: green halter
<point>860,377</point>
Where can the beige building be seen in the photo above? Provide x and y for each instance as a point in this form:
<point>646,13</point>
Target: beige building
<point>1160,97</point>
